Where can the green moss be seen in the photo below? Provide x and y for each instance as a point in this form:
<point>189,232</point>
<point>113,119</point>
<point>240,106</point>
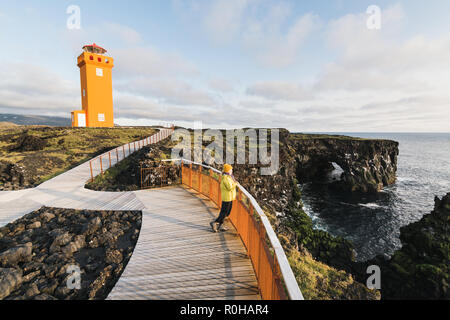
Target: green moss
<point>335,251</point>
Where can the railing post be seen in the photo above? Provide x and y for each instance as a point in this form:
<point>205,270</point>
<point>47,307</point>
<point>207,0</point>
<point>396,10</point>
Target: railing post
<point>129,149</point>
<point>117,154</point>
<point>181,171</point>
<point>200,182</point>
<point>238,212</point>
<point>210,184</point>
<point>249,222</point>
<point>276,277</point>
<point>92,173</point>
<point>101,165</point>
<point>219,194</point>
<point>261,250</point>
<point>109,155</point>
<point>190,175</point>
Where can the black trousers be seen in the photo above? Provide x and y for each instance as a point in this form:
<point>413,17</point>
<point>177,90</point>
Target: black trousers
<point>224,211</point>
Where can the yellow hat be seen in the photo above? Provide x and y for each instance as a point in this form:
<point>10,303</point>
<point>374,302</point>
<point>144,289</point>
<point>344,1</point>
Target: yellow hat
<point>227,168</point>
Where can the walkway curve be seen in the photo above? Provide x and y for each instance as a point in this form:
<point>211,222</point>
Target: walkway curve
<point>67,189</point>
<point>176,257</point>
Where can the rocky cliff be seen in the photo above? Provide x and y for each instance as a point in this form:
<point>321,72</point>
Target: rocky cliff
<point>421,268</point>
<point>368,165</point>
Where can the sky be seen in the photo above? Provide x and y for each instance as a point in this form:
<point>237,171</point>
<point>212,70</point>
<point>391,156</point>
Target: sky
<point>309,66</point>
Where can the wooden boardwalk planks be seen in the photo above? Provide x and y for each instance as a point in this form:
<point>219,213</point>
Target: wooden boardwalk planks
<point>178,257</point>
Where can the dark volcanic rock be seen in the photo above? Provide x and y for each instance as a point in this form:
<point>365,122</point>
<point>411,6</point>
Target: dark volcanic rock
<point>14,176</point>
<point>27,142</point>
<point>421,268</point>
<point>38,250</point>
<point>368,165</point>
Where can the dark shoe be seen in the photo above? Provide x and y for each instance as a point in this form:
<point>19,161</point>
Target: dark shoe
<point>213,226</point>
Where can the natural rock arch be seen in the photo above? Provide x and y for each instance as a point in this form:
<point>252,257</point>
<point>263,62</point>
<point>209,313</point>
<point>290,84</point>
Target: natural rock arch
<point>368,165</point>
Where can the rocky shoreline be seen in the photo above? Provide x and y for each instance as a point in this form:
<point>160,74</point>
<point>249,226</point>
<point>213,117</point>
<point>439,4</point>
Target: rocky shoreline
<point>39,250</point>
<point>421,268</point>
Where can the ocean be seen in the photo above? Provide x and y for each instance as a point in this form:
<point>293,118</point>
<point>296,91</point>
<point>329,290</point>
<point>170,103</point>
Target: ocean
<point>373,222</point>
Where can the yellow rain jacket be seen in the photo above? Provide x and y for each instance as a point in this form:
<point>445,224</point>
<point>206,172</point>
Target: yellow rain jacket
<point>228,188</point>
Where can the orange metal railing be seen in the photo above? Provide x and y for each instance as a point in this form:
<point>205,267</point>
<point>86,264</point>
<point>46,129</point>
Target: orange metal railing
<point>103,162</point>
<point>275,277</point>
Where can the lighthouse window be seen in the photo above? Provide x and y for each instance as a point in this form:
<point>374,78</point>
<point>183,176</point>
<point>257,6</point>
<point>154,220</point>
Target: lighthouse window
<point>84,92</point>
<point>99,72</point>
<point>101,117</point>
<point>99,59</point>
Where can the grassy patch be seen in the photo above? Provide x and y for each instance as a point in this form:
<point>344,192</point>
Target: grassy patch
<point>65,147</point>
<point>319,281</point>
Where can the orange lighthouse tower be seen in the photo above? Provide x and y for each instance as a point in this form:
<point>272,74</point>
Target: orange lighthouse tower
<point>96,89</point>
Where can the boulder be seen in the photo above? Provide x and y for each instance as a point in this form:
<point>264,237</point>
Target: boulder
<point>74,246</point>
<point>92,226</point>
<point>16,255</point>
<point>113,256</point>
<point>32,291</point>
<point>10,280</point>
<point>47,216</point>
<point>34,225</point>
<point>60,240</point>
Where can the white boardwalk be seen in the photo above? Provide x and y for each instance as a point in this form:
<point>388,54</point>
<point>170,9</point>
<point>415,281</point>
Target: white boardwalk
<point>67,190</point>
<point>176,257</point>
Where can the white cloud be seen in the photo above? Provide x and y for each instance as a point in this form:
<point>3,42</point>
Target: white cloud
<point>224,18</point>
<point>275,47</point>
<point>378,81</point>
<point>279,91</point>
<point>127,34</point>
<point>151,62</point>
<point>221,85</point>
<point>350,34</point>
<point>267,30</point>
<point>30,88</point>
<point>170,91</point>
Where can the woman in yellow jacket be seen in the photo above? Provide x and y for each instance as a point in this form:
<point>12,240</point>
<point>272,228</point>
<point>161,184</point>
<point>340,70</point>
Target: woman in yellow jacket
<point>228,192</point>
